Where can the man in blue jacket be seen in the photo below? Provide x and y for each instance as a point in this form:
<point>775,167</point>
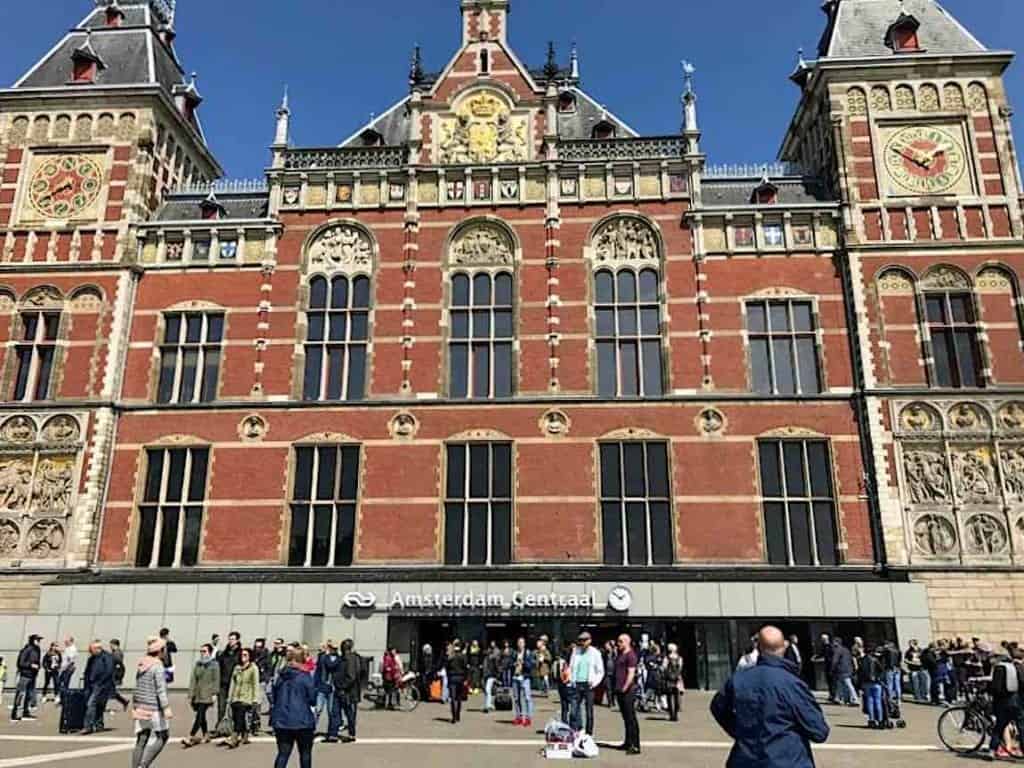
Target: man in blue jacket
<point>769,711</point>
<point>98,682</point>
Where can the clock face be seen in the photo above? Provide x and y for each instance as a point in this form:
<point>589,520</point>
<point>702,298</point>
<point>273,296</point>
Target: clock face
<point>620,599</point>
<point>925,160</point>
<point>64,186</point>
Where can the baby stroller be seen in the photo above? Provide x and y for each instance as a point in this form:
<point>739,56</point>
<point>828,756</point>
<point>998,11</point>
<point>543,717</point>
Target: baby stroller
<point>892,713</point>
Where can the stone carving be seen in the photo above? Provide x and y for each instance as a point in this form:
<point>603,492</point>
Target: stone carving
<point>45,539</point>
<point>481,244</point>
<point>555,423</point>
<point>927,476</point>
<point>880,99</point>
<point>905,98</point>
<point>711,422</point>
<point>895,281</point>
<point>918,417</point>
<point>53,485</point>
<point>968,418</point>
<point>994,280</point>
<point>934,536</point>
<point>342,245</point>
<point>953,97</point>
<point>403,426</point>
<point>946,277</point>
<point>1019,527</point>
<point>483,131</point>
<point>977,99</point>
<point>974,476</point>
<point>15,483</point>
<point>1012,458</point>
<point>45,295</point>
<point>253,428</point>
<point>856,102</point>
<point>61,429</point>
<point>1011,416</point>
<point>984,535</point>
<point>18,429</point>
<point>9,537</point>
<point>626,239</point>
<point>929,98</point>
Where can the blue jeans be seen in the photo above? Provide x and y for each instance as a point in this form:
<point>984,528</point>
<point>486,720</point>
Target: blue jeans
<point>26,688</point>
<point>522,698</point>
<point>894,684</point>
<point>324,701</point>
<point>873,702</point>
<point>334,716</point>
<point>489,684</point>
<point>443,676</point>
<point>845,690</point>
<point>582,703</point>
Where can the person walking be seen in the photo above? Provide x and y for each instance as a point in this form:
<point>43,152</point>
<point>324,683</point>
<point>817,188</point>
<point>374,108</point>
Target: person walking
<point>151,708</point>
<point>29,661</point>
<point>68,662</point>
<point>586,671</point>
<point>98,682</point>
<point>243,695</point>
<point>456,668</point>
<point>842,673</point>
<point>291,717</point>
<point>170,648</point>
<point>522,673</point>
<point>672,677</point>
<point>391,676</point>
<point>227,659</point>
<point>543,657</point>
<point>119,672</point>
<point>492,660</point>
<point>475,658</point>
<point>609,673</point>
<point>770,712</point>
<point>1005,688</point>
<point>793,653</point>
<point>327,664</point>
<point>51,671</point>
<point>277,660</point>
<point>347,686</point>
<point>871,676</point>
<point>626,665</point>
<point>825,657</point>
<point>202,690</point>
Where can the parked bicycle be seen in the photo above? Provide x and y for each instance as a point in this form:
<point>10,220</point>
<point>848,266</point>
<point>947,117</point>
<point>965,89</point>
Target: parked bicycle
<point>406,694</point>
<point>965,728</point>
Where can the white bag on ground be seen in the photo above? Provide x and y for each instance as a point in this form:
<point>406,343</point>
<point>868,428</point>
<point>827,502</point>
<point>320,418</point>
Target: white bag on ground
<point>584,746</point>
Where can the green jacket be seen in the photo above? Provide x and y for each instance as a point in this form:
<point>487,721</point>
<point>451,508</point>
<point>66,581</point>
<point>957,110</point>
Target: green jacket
<point>205,683</point>
<point>245,685</point>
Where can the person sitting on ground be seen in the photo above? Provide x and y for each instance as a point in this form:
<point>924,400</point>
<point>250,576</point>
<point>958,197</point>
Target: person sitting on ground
<point>769,711</point>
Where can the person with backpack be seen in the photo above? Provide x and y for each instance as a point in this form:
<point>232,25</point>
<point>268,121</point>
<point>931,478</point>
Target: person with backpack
<point>347,684</point>
<point>871,676</point>
<point>672,679</point>
<point>1006,688</point>
<point>292,717</point>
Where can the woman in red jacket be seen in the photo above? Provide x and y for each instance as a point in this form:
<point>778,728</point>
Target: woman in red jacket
<point>391,672</point>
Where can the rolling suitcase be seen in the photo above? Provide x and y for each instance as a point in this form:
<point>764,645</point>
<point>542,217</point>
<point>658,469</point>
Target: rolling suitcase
<point>72,711</point>
<point>503,699</point>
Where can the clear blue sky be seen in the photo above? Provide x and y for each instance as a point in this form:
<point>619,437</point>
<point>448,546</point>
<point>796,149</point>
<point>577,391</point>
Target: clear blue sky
<point>344,59</point>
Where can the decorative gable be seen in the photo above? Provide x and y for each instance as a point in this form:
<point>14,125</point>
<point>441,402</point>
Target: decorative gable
<point>483,128</point>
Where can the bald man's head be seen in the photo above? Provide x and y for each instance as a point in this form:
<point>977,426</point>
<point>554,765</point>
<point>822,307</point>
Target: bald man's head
<point>771,641</point>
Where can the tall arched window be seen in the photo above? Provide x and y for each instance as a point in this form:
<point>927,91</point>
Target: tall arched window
<point>338,330</point>
<point>480,344</point>
<point>628,333</point>
<point>949,316</point>
<point>38,331</point>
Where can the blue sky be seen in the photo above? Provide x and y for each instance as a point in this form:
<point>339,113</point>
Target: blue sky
<point>343,59</point>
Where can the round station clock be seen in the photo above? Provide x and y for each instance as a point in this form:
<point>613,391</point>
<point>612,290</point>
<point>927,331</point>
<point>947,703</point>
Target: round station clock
<point>925,160</point>
<point>65,185</point>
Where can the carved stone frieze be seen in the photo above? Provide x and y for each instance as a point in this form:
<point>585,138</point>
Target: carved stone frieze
<point>968,417</point>
<point>625,239</point>
<point>342,246</point>
<point>61,429</point>
<point>918,417</point>
<point>481,244</point>
<point>945,277</point>
<point>54,480</point>
<point>10,537</point>
<point>935,536</point>
<point>985,535</point>
<point>927,477</point>
<point>45,539</point>
<point>1012,459</point>
<point>15,483</point>
<point>1011,417</point>
<point>18,429</point>
<point>974,475</point>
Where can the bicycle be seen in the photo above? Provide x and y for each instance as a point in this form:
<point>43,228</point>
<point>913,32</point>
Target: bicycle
<point>965,728</point>
<point>407,693</point>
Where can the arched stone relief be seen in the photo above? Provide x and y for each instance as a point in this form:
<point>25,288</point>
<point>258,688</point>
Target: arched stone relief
<point>326,437</point>
<point>403,426</point>
<point>945,276</point>
<point>45,539</point>
<point>341,246</point>
<point>1011,417</point>
<point>43,296</point>
<point>779,291</point>
<point>18,429</point>
<point>935,536</point>
<point>10,538</point>
<point>926,475</point>
<point>41,128</point>
<point>126,126</point>
<point>974,474</point>
<point>792,432</point>
<point>985,535</point>
<point>711,422</point>
<point>994,280</point>
<point>61,429</point>
<point>919,417</point>
<point>87,299</point>
<point>19,130</point>
<point>928,98</point>
<point>1011,458</point>
<point>179,440</point>
<point>631,433</point>
<point>555,423</point>
<point>626,240</point>
<point>253,428</point>
<point>856,102</point>
<point>968,417</point>
<point>977,97</point>
<point>952,97</point>
<point>479,434</point>
<point>905,100</point>
<point>483,243</point>
<point>105,125</point>
<point>62,127</point>
<point>895,282</point>
<point>881,101</point>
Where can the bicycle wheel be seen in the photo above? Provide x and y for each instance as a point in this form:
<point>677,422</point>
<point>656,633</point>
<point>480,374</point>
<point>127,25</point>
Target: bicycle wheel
<point>962,730</point>
<point>409,698</point>
<point>369,701</point>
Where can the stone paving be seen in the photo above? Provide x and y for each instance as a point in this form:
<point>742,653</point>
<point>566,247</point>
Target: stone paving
<point>424,739</point>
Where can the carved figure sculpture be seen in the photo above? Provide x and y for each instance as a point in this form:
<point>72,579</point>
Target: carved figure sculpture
<point>483,130</point>
<point>1013,472</point>
<point>15,484</point>
<point>9,537</point>
<point>403,425</point>
<point>711,421</point>
<point>1012,416</point>
<point>984,535</point>
<point>918,418</point>
<point>53,486</point>
<point>18,429</point>
<point>481,244</point>
<point>927,478</point>
<point>45,539</point>
<point>934,536</point>
<point>974,475</point>
<point>555,423</point>
<point>626,239</point>
<point>61,429</point>
<point>342,245</point>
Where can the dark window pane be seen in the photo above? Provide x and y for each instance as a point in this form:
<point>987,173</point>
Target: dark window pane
<point>322,517</point>
<point>648,285</point>
<point>338,326</point>
<point>800,530</point>
<point>807,355</point>
<point>316,326</point>
<point>175,476</point>
<point>771,479</point>
<point>778,316</point>
<point>45,367</point>
<point>817,463</point>
<point>502,370</point>
<point>967,356</point>
<point>775,533</point>
<point>52,326</point>
<point>191,535</point>
<point>172,329</point>
<point>154,474</point>
<point>627,321</point>
<point>327,472</point>
<point>793,460</point>
<point>168,363</point>
<point>168,536</point>
<point>611,530</point>
<point>189,361</point>
<point>481,289</point>
<point>361,293</point>
<point>460,324</point>
<point>636,532</point>
<point>785,372</point>
<point>945,363</point>
<point>460,291</point>
<point>605,322</point>
<point>803,320</point>
<point>349,473</point>
<point>610,485</point>
<point>760,364</point>
<point>661,533</point>
<point>481,370</point>
<point>318,293</point>
<point>197,475</point>
<point>503,324</point>
<point>604,287</point>
<point>628,373</point>
<point>311,385</point>
<point>478,534</point>
<point>356,372</point>
<point>298,539</point>
<point>339,293</point>
<point>649,322</point>
<point>633,462</point>
<point>214,328</point>
<point>756,321</point>
<point>935,306</point>
<point>479,471</point>
<point>503,290</point>
<point>825,533</point>
<point>501,471</point>
<point>456,472</point>
<point>606,379</point>
<point>657,470</point>
<point>360,330</point>
<point>211,369</point>
<point>344,540</point>
<point>335,372</point>
<point>481,324</point>
<point>501,533</point>
<point>626,283</point>
<point>30,323</point>
<point>960,306</point>
<point>24,366</point>
<point>460,370</point>
<point>147,532</point>
<point>652,368</point>
<point>453,522</point>
<point>193,328</point>
<point>303,474</point>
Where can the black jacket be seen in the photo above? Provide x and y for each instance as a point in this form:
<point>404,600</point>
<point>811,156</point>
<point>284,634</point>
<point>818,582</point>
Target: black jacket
<point>842,661</point>
<point>99,672</point>
<point>347,675</point>
<point>228,659</point>
<point>28,660</point>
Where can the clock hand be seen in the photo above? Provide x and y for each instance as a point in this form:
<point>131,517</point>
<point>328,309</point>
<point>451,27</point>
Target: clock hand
<point>911,154</point>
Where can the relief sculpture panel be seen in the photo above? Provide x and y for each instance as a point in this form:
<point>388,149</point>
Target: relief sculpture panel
<point>927,477</point>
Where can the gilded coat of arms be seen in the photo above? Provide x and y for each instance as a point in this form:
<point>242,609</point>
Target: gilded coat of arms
<point>483,131</point>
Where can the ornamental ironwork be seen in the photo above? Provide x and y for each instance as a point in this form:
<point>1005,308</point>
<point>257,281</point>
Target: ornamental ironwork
<point>344,157</point>
<point>666,148</point>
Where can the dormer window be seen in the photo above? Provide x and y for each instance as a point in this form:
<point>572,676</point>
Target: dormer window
<point>603,130</point>
<point>371,138</point>
<point>85,63</point>
<point>211,209</point>
<point>765,194</point>
<point>566,103</point>
<point>84,71</point>
<point>485,61</point>
<point>114,16</point>
<point>902,37</point>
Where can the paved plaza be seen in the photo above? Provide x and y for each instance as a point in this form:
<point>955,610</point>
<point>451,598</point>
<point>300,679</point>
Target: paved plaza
<point>424,739</point>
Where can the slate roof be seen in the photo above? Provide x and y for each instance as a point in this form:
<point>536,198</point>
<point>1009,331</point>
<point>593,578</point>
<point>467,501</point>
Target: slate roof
<point>187,207</point>
<point>857,29</point>
<point>738,192</point>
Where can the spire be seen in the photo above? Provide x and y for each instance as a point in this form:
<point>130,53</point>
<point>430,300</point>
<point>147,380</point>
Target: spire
<point>574,62</point>
<point>690,128</point>
<point>551,67</point>
<point>283,119</point>
<point>416,67</point>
